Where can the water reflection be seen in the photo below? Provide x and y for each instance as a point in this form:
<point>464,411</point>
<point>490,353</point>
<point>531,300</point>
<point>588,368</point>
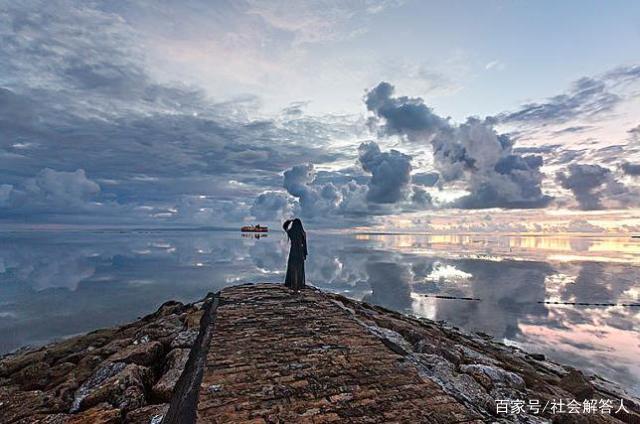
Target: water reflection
<point>56,284</point>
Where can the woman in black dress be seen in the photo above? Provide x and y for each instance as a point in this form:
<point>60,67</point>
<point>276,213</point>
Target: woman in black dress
<point>295,266</point>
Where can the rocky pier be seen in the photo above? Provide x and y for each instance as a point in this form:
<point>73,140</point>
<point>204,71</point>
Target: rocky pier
<point>264,354</point>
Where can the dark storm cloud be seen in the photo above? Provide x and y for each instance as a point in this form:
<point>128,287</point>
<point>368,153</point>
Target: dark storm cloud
<point>587,97</point>
<point>472,152</point>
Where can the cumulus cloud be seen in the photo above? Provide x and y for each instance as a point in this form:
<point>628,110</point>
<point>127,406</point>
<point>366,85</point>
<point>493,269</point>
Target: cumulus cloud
<point>272,205</point>
<point>583,226</point>
<point>390,173</point>
<point>323,200</point>
<point>593,184</point>
<point>50,190</point>
<point>473,152</point>
<point>402,115</point>
<point>382,186</point>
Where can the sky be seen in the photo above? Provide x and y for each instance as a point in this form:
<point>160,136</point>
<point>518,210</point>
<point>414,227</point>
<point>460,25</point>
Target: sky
<point>444,116</point>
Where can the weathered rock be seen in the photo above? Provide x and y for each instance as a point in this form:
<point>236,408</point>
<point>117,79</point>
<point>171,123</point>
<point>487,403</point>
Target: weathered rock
<point>75,348</point>
<point>100,414</point>
<point>164,330</point>
<point>101,375</point>
<point>493,376</point>
<point>576,383</point>
<point>15,405</point>
<point>60,373</point>
<point>115,346</point>
<point>147,414</point>
<point>141,353</point>
<point>472,369</point>
<point>472,356</point>
<point>176,360</point>
<point>12,363</point>
<point>33,376</point>
<point>192,320</point>
<point>170,307</point>
<point>123,387</point>
<point>184,339</point>
<point>537,356</point>
<point>86,367</point>
<point>461,385</point>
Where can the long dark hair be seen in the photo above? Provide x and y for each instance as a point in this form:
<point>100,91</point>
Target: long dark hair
<point>295,231</point>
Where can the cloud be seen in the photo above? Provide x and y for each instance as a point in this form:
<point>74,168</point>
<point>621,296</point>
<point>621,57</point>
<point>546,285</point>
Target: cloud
<point>428,179</point>
<point>87,99</point>
<point>584,181</point>
<point>402,115</point>
<point>52,191</point>
<point>592,184</point>
<point>390,173</point>
<point>324,201</point>
<point>272,205</point>
<point>494,64</point>
<point>583,226</point>
<point>572,130</point>
<point>635,133</point>
<point>355,194</point>
<point>84,88</point>
<point>472,152</point>
<point>586,98</point>
<point>631,168</point>
<point>311,22</point>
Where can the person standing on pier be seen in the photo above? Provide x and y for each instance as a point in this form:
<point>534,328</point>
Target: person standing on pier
<point>295,278</point>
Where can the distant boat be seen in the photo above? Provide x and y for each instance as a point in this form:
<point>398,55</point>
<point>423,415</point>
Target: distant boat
<point>638,236</point>
<point>254,229</point>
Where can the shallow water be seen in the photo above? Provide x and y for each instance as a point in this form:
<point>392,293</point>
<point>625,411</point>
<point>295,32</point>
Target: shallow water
<point>56,284</point>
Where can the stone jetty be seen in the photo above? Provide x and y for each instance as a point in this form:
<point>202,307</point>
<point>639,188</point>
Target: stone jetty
<point>264,354</point>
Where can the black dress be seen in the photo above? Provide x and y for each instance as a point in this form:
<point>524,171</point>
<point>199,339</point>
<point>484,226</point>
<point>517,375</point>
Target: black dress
<point>295,266</point>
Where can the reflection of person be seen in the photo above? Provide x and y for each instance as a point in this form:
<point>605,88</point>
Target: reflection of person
<point>297,255</point>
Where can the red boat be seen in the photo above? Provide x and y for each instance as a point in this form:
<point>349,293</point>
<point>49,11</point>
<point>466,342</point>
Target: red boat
<point>254,229</point>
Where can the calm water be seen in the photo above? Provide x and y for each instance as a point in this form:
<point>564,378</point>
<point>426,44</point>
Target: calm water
<point>53,285</point>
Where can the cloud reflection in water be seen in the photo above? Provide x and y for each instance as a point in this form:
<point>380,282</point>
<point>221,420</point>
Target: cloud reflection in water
<point>54,285</point>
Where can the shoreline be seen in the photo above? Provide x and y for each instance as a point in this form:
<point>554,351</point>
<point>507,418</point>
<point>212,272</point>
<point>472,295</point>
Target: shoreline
<point>129,373</point>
